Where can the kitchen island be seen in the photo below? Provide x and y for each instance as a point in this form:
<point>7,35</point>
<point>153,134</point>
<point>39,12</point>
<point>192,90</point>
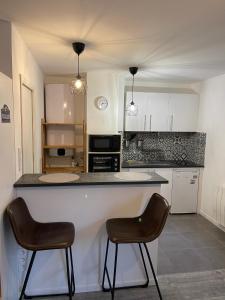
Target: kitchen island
<point>87,202</point>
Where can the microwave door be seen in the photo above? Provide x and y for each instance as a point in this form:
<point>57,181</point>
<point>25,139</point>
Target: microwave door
<point>104,143</point>
<point>101,144</point>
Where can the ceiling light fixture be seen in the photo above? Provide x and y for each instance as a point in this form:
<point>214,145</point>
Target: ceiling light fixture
<point>78,84</point>
<point>132,108</point>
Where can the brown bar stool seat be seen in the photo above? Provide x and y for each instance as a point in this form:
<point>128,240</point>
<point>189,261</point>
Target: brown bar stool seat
<point>36,236</point>
<point>139,230</point>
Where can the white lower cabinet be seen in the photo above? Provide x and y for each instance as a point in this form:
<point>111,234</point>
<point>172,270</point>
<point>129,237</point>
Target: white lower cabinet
<point>185,191</point>
<point>182,189</point>
<point>166,189</point>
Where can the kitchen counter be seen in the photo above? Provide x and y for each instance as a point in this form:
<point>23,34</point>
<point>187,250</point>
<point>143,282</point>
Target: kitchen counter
<point>87,203</point>
<point>160,164</point>
<point>32,180</point>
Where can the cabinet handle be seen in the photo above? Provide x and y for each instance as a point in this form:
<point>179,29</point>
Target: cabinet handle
<point>171,123</point>
<point>145,123</point>
<point>150,123</point>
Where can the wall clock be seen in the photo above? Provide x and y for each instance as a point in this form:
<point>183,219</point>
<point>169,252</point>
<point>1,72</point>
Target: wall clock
<point>101,103</point>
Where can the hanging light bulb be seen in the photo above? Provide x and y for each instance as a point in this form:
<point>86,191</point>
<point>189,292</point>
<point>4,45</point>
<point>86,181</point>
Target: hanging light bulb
<point>132,109</point>
<point>78,84</point>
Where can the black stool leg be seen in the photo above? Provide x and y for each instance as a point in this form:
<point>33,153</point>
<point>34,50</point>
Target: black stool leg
<point>146,272</point>
<point>114,273</point>
<point>27,275</point>
<point>70,279</point>
<point>111,287</point>
<point>68,275</point>
<point>72,272</point>
<point>106,271</point>
<point>153,272</point>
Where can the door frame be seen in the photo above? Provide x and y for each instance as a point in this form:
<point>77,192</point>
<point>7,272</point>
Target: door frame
<point>27,85</point>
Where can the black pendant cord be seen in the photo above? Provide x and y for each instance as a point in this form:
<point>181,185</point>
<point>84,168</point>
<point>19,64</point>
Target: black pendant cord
<point>78,66</point>
<point>132,101</point>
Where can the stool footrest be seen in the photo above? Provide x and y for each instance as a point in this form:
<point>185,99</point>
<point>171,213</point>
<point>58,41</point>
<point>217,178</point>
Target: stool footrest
<point>112,286</point>
<point>144,285</point>
<point>47,295</point>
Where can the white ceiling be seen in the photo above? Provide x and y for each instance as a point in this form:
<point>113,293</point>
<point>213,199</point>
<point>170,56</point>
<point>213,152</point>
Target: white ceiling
<point>172,40</point>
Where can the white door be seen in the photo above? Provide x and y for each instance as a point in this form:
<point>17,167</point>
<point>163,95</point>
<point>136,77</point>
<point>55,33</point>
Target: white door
<point>184,112</point>
<point>27,129</point>
<point>158,112</point>
<point>166,189</point>
<point>138,122</point>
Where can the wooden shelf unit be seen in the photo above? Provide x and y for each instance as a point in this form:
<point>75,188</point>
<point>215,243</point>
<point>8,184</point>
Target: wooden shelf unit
<point>46,168</point>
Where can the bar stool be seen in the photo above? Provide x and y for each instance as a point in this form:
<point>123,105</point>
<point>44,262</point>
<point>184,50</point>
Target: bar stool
<point>139,230</point>
<point>36,236</point>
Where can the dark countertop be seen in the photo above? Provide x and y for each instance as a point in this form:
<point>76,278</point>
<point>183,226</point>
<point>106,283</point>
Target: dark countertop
<point>31,180</point>
<point>160,164</point>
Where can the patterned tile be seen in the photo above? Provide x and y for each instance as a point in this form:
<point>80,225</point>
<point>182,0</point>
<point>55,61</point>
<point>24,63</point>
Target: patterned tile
<point>182,146</point>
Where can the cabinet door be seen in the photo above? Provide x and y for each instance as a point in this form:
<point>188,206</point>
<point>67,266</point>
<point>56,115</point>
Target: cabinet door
<point>166,189</point>
<point>158,112</point>
<point>184,112</point>
<point>185,191</point>
<point>138,122</point>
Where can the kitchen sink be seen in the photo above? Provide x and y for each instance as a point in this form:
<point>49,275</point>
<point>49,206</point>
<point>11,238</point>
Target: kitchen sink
<point>136,162</point>
<point>150,163</point>
<point>59,177</point>
<point>132,176</point>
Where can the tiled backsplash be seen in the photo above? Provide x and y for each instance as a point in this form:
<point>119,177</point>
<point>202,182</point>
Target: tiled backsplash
<point>178,146</point>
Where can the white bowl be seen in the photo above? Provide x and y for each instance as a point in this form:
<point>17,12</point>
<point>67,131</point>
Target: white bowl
<point>59,177</point>
<point>132,176</point>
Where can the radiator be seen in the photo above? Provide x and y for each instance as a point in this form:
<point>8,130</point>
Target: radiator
<point>220,205</point>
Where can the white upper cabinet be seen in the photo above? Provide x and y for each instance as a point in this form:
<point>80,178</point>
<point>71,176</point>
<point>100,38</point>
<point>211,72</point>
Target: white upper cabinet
<point>138,122</point>
<point>158,112</point>
<point>184,112</point>
<point>163,112</point>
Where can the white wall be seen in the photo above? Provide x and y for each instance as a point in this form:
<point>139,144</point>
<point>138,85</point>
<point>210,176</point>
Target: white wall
<point>5,48</point>
<point>159,85</point>
<point>25,65</point>
<point>14,54</point>
<point>8,267</point>
<point>107,84</point>
<point>8,270</point>
<point>212,121</point>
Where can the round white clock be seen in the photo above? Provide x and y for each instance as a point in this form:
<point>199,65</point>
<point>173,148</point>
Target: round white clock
<point>101,103</point>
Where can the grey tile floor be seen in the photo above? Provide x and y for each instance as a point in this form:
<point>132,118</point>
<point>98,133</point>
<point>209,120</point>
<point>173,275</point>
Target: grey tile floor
<point>190,246</point>
<point>207,285</point>
<point>190,243</point>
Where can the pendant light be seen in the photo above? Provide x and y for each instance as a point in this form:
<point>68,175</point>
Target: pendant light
<point>78,84</point>
<point>132,108</point>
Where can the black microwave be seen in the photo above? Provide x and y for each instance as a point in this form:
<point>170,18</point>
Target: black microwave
<point>104,143</point>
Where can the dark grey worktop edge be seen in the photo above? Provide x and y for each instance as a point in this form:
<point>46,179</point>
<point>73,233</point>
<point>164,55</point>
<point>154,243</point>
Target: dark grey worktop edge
<point>20,185</point>
<point>172,166</point>
<point>160,167</point>
<point>32,180</point>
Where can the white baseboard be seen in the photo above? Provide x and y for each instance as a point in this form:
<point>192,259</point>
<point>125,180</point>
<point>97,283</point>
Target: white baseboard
<point>210,219</point>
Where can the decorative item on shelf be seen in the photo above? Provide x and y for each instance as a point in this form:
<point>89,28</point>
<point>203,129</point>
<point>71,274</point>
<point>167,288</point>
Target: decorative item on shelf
<point>101,103</point>
<point>132,109</point>
<point>78,85</point>
<point>70,157</point>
